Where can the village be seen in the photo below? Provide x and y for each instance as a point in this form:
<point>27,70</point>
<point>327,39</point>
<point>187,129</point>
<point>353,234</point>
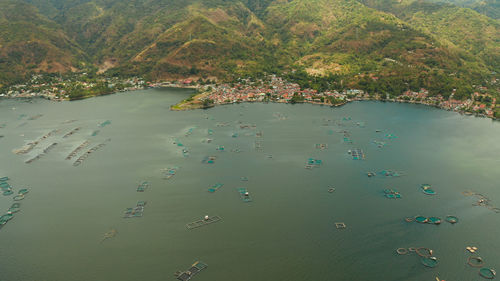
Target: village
<point>271,89</point>
<point>278,90</point>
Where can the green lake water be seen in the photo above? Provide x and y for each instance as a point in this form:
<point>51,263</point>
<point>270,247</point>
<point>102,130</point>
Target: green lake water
<point>286,233</point>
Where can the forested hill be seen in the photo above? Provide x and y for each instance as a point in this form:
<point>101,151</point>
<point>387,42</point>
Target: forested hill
<point>395,43</point>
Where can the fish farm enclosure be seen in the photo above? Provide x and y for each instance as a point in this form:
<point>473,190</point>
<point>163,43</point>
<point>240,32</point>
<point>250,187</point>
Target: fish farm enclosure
<point>121,188</point>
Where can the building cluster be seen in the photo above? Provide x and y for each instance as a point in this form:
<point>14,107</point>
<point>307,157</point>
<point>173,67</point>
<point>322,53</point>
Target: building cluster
<point>57,88</point>
<point>276,89</point>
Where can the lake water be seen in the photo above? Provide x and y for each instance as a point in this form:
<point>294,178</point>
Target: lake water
<point>286,233</point>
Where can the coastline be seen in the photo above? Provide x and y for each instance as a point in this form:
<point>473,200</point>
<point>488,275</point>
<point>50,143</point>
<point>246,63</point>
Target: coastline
<point>186,105</point>
<point>197,101</point>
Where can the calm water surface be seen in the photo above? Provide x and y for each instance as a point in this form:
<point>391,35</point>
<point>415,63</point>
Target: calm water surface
<point>286,233</point>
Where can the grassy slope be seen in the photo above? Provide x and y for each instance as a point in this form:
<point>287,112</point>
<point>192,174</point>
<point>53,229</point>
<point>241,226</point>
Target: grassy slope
<point>31,42</point>
<point>230,38</point>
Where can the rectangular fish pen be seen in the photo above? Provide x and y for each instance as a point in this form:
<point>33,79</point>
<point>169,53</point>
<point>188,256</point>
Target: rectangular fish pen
<point>206,221</point>
<point>196,268</point>
<point>244,194</point>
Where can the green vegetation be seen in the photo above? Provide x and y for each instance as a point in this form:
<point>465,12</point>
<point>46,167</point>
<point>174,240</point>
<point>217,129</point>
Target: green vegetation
<point>381,46</point>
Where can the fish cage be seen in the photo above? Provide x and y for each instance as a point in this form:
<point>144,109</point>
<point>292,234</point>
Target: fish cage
<point>421,219</point>
<point>451,219</point>
<point>475,261</point>
<point>434,220</point>
<point>487,273</point>
<point>209,160</point>
<point>357,154</point>
<point>143,186</point>
<point>203,222</point>
<point>429,261</point>
<point>215,187</point>
<point>390,173</point>
<point>244,195</point>
<point>392,194</point>
<point>196,268</point>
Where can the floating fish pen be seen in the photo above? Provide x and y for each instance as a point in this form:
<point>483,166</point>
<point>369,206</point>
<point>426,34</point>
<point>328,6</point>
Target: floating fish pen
<point>426,189</point>
<point>185,152</point>
<point>77,150</point>
<point>244,195</point>
<point>340,225</point>
<point>87,154</point>
<point>321,146</point>
<point>313,163</point>
<point>451,219</point>
<point>421,219</point>
<point>143,186</point>
<point>72,132</point>
<point>5,219</point>
<point>392,194</point>
<point>424,252</point>
<point>104,124</point>
<point>168,173</point>
<point>110,234</point>
<point>196,268</point>
<point>357,154</point>
<point>136,211</point>
<point>248,126</point>
<point>244,178</point>
<point>429,261</point>
<point>205,221</point>
<point>23,191</point>
<point>378,143</point>
<point>213,188</point>
<point>390,173</point>
<point>487,273</point>
<point>482,201</point>
<point>14,208</point>
<point>259,146</point>
<point>207,140</point>
<point>28,147</point>
<point>31,160</point>
<point>236,150</point>
<point>189,132</point>
<point>347,140</point>
<point>209,160</point>
<point>220,148</point>
<point>222,124</point>
<point>49,148</point>
<point>475,261</point>
<point>402,251</point>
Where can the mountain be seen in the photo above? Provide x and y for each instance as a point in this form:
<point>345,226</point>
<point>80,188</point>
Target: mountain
<point>32,43</point>
<point>490,8</point>
<point>414,42</point>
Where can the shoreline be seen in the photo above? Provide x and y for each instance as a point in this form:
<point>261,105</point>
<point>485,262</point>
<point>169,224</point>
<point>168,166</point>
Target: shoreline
<point>196,102</point>
<point>187,106</point>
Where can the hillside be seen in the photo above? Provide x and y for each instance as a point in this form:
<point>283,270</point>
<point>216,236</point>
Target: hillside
<point>407,42</point>
<point>32,43</point>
